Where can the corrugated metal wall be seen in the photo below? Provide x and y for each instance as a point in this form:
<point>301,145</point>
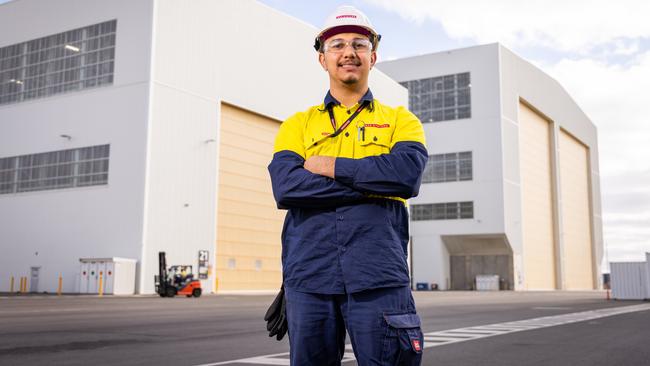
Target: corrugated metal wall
<point>537,200</point>
<point>629,281</point>
<point>248,224</point>
<point>576,214</point>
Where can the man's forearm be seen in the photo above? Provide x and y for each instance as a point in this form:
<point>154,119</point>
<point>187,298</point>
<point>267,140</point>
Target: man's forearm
<point>398,173</point>
<point>321,165</point>
<point>296,187</point>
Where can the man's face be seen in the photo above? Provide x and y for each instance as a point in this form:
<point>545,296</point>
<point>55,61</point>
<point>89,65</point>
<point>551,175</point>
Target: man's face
<point>347,65</point>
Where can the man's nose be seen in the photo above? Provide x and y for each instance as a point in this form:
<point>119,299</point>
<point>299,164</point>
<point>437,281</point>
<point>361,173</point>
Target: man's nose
<point>349,51</point>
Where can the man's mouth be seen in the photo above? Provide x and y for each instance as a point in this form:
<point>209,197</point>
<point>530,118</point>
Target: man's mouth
<point>349,65</point>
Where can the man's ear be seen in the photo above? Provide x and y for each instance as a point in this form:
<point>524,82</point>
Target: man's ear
<point>373,59</point>
<point>321,59</point>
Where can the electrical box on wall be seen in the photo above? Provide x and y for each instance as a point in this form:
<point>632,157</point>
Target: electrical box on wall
<point>115,276</point>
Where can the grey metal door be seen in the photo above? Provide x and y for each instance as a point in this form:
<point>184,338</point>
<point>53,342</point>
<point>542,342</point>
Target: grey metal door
<point>33,284</point>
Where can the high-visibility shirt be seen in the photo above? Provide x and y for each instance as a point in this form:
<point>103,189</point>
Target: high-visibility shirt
<point>350,233</point>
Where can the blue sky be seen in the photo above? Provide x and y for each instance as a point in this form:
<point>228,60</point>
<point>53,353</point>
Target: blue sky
<point>599,50</point>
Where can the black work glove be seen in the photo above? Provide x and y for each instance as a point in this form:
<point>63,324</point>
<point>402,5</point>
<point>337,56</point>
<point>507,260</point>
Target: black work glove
<point>276,316</point>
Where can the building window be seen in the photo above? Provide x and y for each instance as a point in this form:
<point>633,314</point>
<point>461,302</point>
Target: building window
<point>442,211</point>
<point>442,98</point>
<point>231,263</point>
<point>82,167</point>
<point>450,167</point>
<point>258,264</point>
<point>73,60</point>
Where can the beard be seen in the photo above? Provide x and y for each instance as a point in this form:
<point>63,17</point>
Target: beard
<point>351,80</point>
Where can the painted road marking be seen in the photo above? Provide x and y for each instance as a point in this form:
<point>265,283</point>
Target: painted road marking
<point>449,336</point>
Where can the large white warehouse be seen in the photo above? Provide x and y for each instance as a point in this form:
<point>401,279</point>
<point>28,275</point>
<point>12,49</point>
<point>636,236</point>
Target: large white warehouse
<point>512,184</point>
<point>133,127</point>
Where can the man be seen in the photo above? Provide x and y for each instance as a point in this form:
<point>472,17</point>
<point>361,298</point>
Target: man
<point>344,170</point>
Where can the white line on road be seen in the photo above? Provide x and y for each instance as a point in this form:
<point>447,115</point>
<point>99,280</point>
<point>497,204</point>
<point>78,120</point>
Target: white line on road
<point>449,336</point>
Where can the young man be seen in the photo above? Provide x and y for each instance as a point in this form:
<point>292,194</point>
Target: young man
<point>344,170</point>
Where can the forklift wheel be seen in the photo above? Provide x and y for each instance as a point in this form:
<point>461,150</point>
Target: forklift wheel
<point>171,292</point>
<point>196,292</point>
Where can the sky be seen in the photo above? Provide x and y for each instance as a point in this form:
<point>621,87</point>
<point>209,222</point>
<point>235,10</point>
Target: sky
<point>598,50</point>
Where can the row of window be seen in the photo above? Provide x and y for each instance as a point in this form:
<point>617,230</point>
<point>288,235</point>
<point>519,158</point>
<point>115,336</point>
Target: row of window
<point>441,98</point>
<point>451,167</point>
<point>73,60</point>
<point>442,211</point>
<point>81,167</point>
<point>436,99</point>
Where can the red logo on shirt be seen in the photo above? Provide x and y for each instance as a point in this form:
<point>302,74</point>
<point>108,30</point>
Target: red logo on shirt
<point>385,125</point>
<point>416,345</point>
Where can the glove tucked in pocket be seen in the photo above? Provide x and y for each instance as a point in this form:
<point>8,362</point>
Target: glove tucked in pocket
<point>404,340</point>
<point>276,316</point>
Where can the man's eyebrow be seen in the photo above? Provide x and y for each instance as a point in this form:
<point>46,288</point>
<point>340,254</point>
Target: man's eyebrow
<point>353,39</point>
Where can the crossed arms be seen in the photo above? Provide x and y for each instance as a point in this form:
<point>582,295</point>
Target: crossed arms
<point>321,181</point>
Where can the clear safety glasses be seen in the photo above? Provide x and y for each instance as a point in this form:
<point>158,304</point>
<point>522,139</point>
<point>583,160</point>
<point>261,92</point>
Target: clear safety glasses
<point>339,45</point>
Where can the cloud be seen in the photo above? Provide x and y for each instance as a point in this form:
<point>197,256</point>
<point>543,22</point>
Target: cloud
<point>616,98</point>
<point>577,25</point>
<point>626,48</point>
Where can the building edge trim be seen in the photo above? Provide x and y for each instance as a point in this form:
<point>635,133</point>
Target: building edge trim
<point>145,216</point>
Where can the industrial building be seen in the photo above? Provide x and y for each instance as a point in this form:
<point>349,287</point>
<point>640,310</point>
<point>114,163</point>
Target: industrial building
<point>133,127</point>
<point>512,183</point>
<point>129,128</point>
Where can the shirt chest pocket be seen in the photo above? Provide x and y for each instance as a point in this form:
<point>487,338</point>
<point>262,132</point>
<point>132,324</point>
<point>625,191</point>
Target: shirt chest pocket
<point>375,141</point>
<point>318,143</point>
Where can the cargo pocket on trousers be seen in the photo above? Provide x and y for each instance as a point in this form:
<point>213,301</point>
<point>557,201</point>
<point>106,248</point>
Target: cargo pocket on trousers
<point>404,341</point>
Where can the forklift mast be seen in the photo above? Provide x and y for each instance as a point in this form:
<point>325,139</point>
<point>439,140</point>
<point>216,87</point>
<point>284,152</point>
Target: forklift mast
<point>162,271</point>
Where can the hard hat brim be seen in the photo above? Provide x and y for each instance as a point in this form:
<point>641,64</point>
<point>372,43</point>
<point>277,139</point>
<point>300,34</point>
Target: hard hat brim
<point>328,33</point>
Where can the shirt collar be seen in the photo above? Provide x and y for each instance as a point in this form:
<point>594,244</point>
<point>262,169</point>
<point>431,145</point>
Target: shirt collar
<point>329,99</point>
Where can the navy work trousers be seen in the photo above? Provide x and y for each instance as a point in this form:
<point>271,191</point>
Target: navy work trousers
<point>383,326</point>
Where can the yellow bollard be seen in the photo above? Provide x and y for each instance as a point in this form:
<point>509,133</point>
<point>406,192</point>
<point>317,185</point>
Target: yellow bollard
<point>101,284</point>
<point>22,285</point>
<point>58,291</point>
<point>25,285</point>
<point>11,290</point>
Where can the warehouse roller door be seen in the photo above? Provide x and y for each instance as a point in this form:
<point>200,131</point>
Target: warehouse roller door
<point>465,268</point>
<point>248,223</point>
<point>576,214</point>
<point>537,200</point>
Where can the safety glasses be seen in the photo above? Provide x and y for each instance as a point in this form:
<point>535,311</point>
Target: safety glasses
<point>339,45</point>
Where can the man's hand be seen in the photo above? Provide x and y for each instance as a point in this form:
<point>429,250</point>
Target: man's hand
<point>321,165</point>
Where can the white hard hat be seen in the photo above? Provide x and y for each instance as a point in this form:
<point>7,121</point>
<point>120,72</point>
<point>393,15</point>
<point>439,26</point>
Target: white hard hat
<point>347,19</point>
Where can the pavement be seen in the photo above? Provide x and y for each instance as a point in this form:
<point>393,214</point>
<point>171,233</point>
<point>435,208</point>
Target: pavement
<point>461,328</point>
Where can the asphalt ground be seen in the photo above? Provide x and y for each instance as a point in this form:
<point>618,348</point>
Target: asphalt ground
<point>228,329</point>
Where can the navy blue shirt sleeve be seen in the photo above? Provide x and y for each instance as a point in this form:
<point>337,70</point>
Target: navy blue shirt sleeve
<point>398,173</point>
<point>296,187</point>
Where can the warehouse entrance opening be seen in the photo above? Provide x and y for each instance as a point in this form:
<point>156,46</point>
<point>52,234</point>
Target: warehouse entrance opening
<point>479,262</point>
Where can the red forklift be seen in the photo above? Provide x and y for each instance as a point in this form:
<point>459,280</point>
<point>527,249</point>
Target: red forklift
<point>177,280</point>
